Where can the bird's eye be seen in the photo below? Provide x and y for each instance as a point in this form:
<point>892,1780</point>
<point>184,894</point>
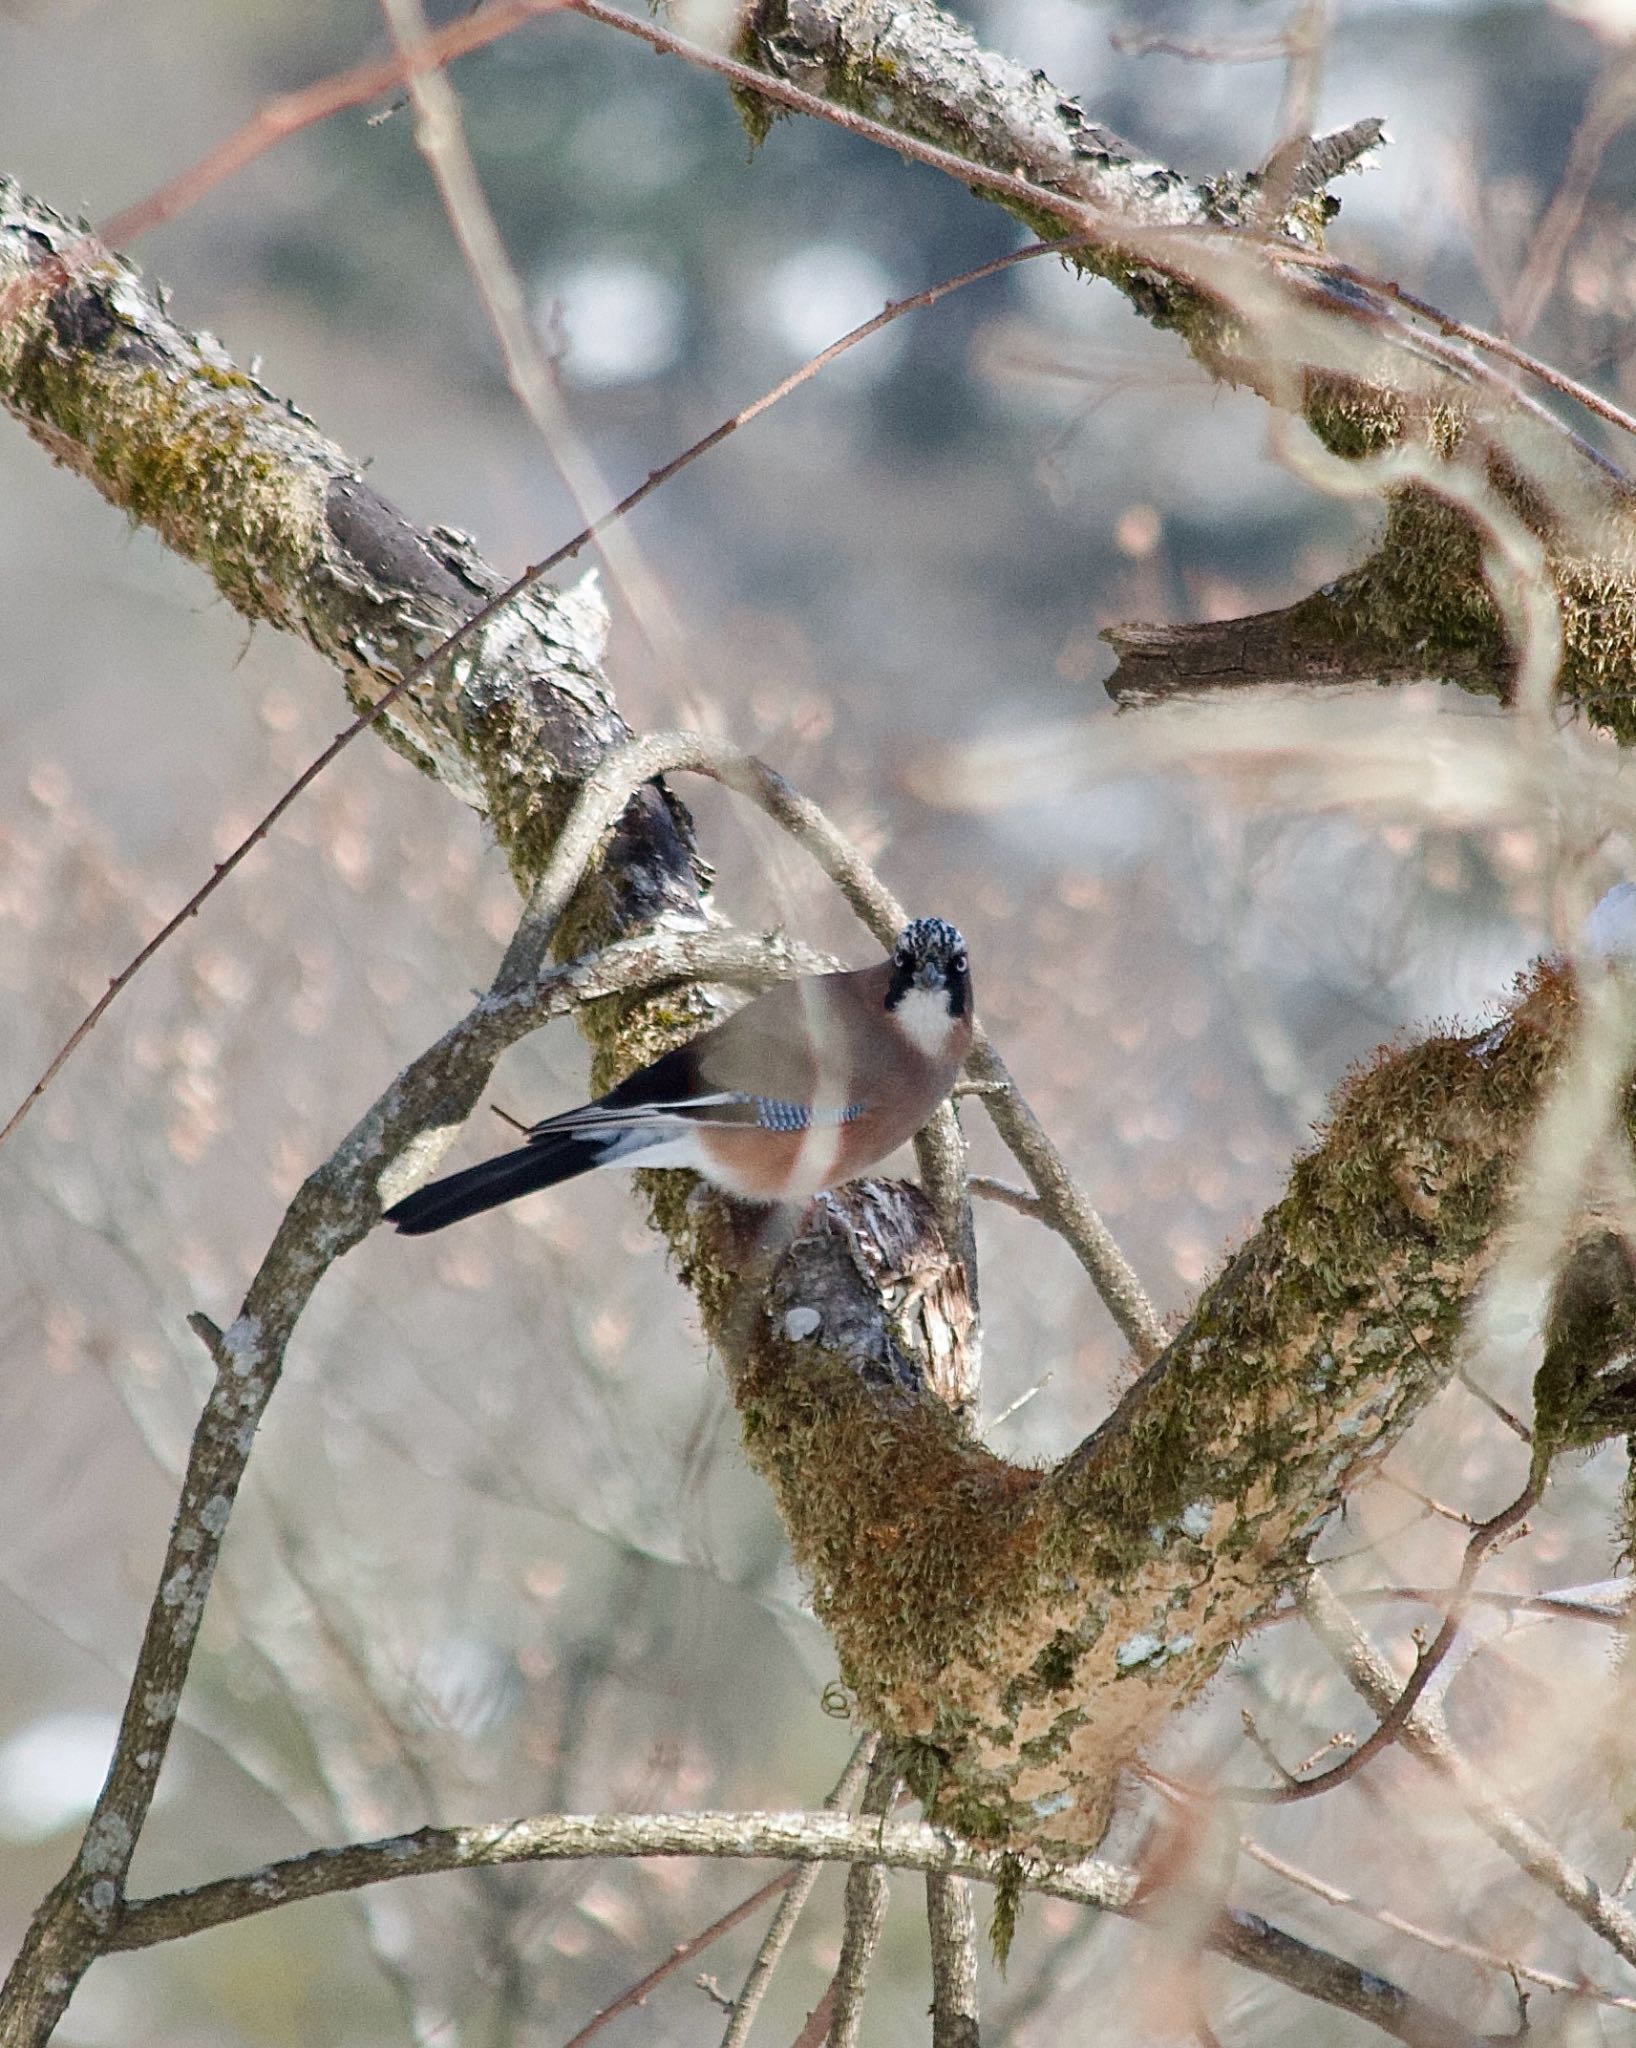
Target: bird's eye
<point>901,957</point>
<point>958,963</point>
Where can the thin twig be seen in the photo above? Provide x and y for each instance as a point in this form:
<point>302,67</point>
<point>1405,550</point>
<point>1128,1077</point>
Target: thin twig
<point>1514,1423</point>
<point>1549,1606</point>
<point>865,1910</point>
<point>1392,1722</point>
<point>788,1837</point>
<point>440,136</point>
<point>1023,1200</point>
<point>816,2029</point>
<point>1426,1736</point>
<point>1063,1203</point>
<point>1447,1944</point>
<point>953,1929</point>
<point>1021,1401</point>
<point>684,1952</point>
<point>1612,103</point>
<point>782,1926</point>
<point>1139,43</point>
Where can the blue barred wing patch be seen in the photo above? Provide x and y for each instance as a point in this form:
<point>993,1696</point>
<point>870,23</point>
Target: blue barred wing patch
<point>797,1116</point>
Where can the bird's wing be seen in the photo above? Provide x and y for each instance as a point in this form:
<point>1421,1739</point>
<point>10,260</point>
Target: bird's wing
<point>784,1062</point>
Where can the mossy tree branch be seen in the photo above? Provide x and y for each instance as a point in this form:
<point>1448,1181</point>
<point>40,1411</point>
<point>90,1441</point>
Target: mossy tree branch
<point>1019,1632</point>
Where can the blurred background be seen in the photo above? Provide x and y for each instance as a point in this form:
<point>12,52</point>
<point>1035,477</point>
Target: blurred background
<point>499,1551</point>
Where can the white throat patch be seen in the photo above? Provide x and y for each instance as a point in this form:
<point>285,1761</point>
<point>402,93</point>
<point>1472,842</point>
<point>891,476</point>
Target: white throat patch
<point>922,1016</point>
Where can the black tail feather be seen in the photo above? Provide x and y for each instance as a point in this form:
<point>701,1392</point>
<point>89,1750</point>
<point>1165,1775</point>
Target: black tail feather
<point>485,1186</point>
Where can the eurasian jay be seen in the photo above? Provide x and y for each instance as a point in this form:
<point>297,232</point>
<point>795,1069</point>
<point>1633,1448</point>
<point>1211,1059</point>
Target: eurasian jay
<point>811,1084</point>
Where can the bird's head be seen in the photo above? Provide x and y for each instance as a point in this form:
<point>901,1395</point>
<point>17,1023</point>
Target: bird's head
<point>930,972</point>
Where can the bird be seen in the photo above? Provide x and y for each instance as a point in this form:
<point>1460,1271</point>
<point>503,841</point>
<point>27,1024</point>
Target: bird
<point>811,1084</point>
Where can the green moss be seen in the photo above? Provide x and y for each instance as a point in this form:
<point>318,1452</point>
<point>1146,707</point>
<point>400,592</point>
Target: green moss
<point>185,448</point>
<point>1008,1898</point>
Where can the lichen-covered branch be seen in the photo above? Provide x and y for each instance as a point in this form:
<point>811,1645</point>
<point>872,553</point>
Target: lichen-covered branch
<point>953,1929</point>
<point>823,1837</point>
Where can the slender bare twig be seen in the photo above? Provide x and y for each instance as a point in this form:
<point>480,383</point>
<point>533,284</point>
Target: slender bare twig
<point>441,137</point>
<point>1270,50</point>
<point>1447,1944</point>
<point>1063,1203</point>
<point>1612,103</point>
<point>782,1925</point>
<point>1023,1200</point>
<point>816,2029</point>
<point>1614,1613</point>
<point>274,123</point>
<point>683,1952</point>
<point>1393,1721</point>
<point>953,1930</point>
<point>1426,1737</point>
<point>426,663</point>
<point>1498,1409</point>
<point>1021,1401</point>
<point>864,1912</point>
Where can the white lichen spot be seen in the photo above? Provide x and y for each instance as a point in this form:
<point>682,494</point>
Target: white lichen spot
<point>400,1849</point>
<point>213,1515</point>
<point>174,1591</point>
<point>108,1842</point>
<point>265,1886</point>
<point>1050,1803</point>
<point>402,1174</point>
<point>1140,1649</point>
<point>143,1759</point>
<point>1178,1646</point>
<point>188,1538</point>
<point>242,1346</point>
<point>160,1706</point>
<point>800,1323</point>
<point>1196,1518</point>
<point>101,1897</point>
